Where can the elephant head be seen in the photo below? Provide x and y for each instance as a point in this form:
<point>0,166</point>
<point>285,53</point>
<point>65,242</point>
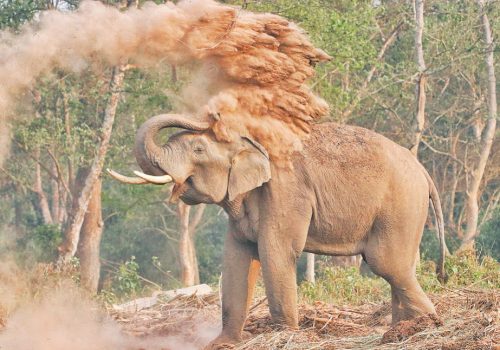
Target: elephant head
<point>202,169</point>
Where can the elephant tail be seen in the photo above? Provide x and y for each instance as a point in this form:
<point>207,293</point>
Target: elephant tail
<point>438,214</point>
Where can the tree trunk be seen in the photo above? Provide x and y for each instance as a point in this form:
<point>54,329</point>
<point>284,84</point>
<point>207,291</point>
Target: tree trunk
<point>68,128</point>
<point>454,182</point>
<point>310,276</point>
<point>71,235</point>
<point>422,79</point>
<point>56,200</point>
<point>90,239</point>
<point>18,212</point>
<point>472,192</point>
<point>43,203</point>
<point>364,86</point>
<point>187,250</point>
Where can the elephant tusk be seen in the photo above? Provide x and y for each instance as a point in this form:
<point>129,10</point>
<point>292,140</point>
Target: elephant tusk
<point>158,180</point>
<point>127,179</point>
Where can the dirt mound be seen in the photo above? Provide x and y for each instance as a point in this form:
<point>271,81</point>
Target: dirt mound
<point>470,320</point>
<point>405,329</point>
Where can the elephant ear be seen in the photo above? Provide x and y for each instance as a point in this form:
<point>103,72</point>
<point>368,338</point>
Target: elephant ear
<point>250,169</point>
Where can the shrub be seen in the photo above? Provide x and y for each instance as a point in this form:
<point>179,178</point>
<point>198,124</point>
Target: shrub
<point>42,242</point>
<point>488,242</point>
<point>464,270</point>
<point>339,285</point>
<point>127,283</point>
<point>344,286</point>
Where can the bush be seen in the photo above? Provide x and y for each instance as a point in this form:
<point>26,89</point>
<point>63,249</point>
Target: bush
<point>42,242</point>
<point>488,242</point>
<point>464,270</point>
<point>127,283</point>
<point>429,246</point>
<point>340,285</point>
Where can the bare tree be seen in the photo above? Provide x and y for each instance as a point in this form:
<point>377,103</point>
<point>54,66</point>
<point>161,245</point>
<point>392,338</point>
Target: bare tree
<point>188,222</point>
<point>488,134</point>
<point>187,252</point>
<point>363,90</point>
<point>310,276</point>
<point>90,240</point>
<point>421,78</point>
<point>72,232</point>
<point>43,203</point>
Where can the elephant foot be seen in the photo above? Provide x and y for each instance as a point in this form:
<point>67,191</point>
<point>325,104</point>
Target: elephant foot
<point>223,341</point>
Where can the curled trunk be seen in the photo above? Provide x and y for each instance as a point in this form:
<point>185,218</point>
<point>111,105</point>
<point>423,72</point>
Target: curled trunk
<point>147,152</point>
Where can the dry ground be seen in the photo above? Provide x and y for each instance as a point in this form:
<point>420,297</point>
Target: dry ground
<point>468,319</point>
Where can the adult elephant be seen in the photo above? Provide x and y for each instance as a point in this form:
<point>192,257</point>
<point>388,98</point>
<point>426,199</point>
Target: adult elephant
<point>350,191</point>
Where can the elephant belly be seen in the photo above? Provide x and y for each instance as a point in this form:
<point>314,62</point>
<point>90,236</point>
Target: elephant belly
<point>333,246</point>
<point>335,235</point>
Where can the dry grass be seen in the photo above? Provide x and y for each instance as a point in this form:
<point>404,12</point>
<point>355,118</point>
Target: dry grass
<point>469,319</point>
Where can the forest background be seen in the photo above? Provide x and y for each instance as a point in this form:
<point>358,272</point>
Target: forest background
<point>432,98</point>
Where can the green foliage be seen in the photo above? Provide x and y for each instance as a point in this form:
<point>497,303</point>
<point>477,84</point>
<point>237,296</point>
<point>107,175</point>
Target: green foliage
<point>107,297</point>
<point>127,282</point>
<point>429,246</point>
<point>344,286</point>
<point>136,221</point>
<point>464,270</point>
<point>340,285</point>
<point>14,13</point>
<point>488,242</point>
<point>209,246</point>
<point>42,241</point>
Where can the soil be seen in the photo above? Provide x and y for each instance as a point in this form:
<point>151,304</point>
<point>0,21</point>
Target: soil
<point>405,329</point>
<point>468,319</point>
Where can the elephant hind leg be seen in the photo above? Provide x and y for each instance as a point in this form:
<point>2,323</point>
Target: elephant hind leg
<point>398,268</point>
<point>409,300</point>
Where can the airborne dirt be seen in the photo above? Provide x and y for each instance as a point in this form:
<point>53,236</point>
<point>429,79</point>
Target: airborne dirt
<point>251,68</point>
<point>43,309</point>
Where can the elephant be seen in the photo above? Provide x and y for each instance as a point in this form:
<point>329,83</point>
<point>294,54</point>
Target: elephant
<point>348,191</point>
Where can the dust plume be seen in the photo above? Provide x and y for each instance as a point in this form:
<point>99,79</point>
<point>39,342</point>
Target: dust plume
<point>52,313</point>
<point>258,63</point>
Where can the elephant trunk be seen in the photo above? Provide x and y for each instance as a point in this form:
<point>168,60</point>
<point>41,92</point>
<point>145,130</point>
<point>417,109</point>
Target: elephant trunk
<point>147,152</point>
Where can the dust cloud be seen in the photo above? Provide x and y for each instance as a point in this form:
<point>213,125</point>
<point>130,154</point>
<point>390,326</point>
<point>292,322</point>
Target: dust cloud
<point>254,66</point>
<point>54,314</point>
<point>251,71</point>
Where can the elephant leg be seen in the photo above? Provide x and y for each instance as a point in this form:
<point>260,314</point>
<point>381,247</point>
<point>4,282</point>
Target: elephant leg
<point>279,273</point>
<point>397,266</point>
<point>239,275</point>
<point>278,254</point>
<point>408,298</point>
<point>411,299</point>
<point>397,308</point>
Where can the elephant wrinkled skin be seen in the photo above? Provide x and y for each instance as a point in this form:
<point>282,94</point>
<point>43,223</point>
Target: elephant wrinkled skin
<point>350,191</point>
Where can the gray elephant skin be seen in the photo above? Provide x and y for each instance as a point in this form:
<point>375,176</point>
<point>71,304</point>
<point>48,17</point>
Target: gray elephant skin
<point>349,191</point>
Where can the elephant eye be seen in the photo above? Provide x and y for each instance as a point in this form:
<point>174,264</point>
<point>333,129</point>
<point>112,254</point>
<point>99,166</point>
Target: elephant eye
<point>198,149</point>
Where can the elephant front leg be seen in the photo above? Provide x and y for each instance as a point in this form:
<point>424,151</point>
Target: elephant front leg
<point>278,259</point>
<point>239,274</point>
